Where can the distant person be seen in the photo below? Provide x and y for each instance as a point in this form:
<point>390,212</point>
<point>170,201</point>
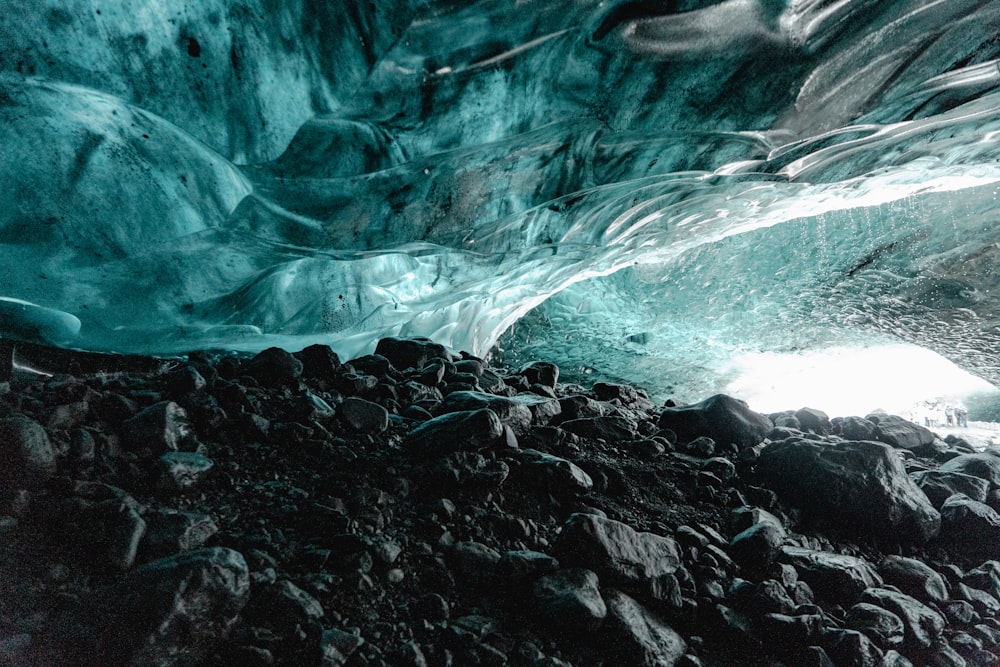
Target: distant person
<point>962,417</point>
<point>949,415</point>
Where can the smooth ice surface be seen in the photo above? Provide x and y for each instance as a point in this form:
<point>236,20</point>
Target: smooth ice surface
<point>641,190</point>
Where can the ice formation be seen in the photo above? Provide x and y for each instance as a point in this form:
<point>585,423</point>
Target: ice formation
<point>643,188</point>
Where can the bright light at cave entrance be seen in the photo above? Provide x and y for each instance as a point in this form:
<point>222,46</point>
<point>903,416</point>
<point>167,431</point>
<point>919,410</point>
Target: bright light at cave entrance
<point>845,381</point>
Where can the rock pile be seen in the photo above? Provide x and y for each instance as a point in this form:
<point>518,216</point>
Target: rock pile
<point>419,507</point>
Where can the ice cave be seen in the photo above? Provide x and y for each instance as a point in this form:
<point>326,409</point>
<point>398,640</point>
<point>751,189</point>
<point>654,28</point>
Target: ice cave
<point>690,194</point>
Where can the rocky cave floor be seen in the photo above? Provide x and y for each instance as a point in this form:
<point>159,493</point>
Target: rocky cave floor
<point>412,507</point>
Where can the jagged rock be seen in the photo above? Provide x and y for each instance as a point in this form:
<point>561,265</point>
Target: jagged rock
<point>640,637</point>
<point>472,430</point>
<point>986,577</point>
<point>318,361</point>
<point>787,631</point>
<point>939,486</point>
<point>834,577</point>
<point>413,353</point>
<point>854,428</point>
<point>610,428</point>
<point>757,547</point>
<point>470,469</point>
<point>619,554</point>
<point>541,372</point>
<point>521,564</point>
<point>881,625</point>
<point>901,433</point>
<point>475,562</point>
<point>281,605</point>
<point>336,647</point>
<point>811,419</point>
<point>160,428</point>
<point>985,465</point>
<point>859,487</point>
<point>971,525</point>
<point>570,600</point>
<point>511,411</point>
<point>364,416</point>
<point>273,367</point>
<point>579,406</point>
<point>721,467</point>
<point>923,626</point>
<point>27,454</point>
<point>171,611</point>
<point>554,473</point>
<point>985,604</point>
<point>850,648</point>
<point>170,532</point>
<point>913,578</point>
<point>722,418</point>
<point>179,472</point>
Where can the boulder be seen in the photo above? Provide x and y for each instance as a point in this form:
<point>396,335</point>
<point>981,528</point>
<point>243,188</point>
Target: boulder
<point>554,473</point>
<point>274,367</point>
<point>468,430</point>
<point>364,416</point>
<point>160,428</point>
<point>913,578</point>
<point>619,554</point>
<point>757,547</point>
<point>541,372</point>
<point>922,625</point>
<point>179,472</point>
<point>854,428</point>
<point>610,428</point>
<point>971,526</point>
<point>722,418</point>
<point>642,639</point>
<point>570,600</point>
<point>859,487</point>
<point>881,625</point>
<point>984,465</point>
<point>938,486</point>
<point>413,353</point>
<point>811,419</point>
<point>835,577</point>
<point>511,411</point>
<point>27,454</point>
<point>901,433</point>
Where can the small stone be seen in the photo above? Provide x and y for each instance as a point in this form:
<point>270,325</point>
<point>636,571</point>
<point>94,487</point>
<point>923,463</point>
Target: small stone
<point>336,647</point>
<point>467,430</point>
<point>28,456</point>
<point>413,353</point>
<point>913,578</point>
<point>364,416</point>
<point>180,472</point>
<point>274,367</point>
<point>881,625</point>
<point>162,427</point>
<point>541,372</point>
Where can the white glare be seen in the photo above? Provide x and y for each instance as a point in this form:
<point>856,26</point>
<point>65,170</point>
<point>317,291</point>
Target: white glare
<point>844,381</point>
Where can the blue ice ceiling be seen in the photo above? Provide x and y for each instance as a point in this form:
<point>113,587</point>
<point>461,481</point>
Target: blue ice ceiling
<point>645,188</point>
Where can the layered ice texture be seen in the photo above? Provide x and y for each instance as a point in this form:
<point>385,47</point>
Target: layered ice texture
<point>636,189</point>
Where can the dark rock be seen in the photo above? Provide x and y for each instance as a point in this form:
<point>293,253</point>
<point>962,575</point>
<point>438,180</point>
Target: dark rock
<point>179,472</point>
<point>855,428</point>
<point>939,486</point>
<point>619,554</point>
<point>160,428</point>
<point>467,430</point>
<point>610,428</point>
<point>901,433</point>
<point>511,411</point>
<point>171,532</point>
<point>470,469</point>
<point>282,605</point>
<point>790,631</point>
<point>570,600</point>
<point>364,416</point>
<point>701,446</point>
<point>913,578</point>
<point>475,563</point>
<point>318,361</point>
<point>541,372</point>
<point>722,468</point>
<point>26,451</point>
<point>881,625</point>
<point>722,418</point>
<point>811,419</point>
<point>859,487</point>
<point>834,577</point>
<point>337,646</point>
<point>578,406</point>
<point>923,626</point>
<point>521,564</point>
<point>641,639</point>
<point>273,367</point>
<point>850,648</point>
<point>756,548</point>
<point>172,611</point>
<point>184,380</point>
<point>553,473</point>
<point>986,577</point>
<point>971,526</point>
<point>985,604</point>
<point>985,465</point>
<point>413,353</point>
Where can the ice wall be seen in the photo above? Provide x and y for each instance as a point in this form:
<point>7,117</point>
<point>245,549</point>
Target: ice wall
<point>660,185</point>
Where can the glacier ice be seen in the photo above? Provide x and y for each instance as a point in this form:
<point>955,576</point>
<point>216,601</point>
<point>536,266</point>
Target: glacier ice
<point>633,189</point>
